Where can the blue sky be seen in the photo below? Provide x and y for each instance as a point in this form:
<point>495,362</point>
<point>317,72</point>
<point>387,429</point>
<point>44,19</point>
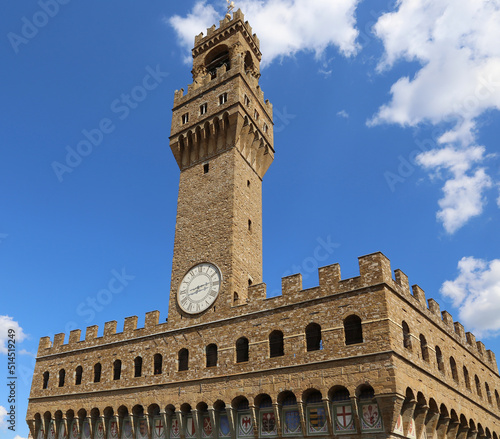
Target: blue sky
<point>386,137</point>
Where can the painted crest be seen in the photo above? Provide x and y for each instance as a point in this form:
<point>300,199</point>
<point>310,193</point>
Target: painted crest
<point>74,430</point>
<point>412,431</point>
<point>86,430</point>
<point>370,419</point>
<point>99,430</point>
<point>268,424</point>
<point>317,420</point>
<point>292,422</point>
<point>142,429</point>
<point>245,427</point>
<point>398,429</point>
<point>62,431</point>
<point>190,427</point>
<point>40,433</point>
<point>343,418</point>
<point>52,431</point>
<point>159,428</point>
<point>127,429</point>
<point>113,429</point>
<point>224,425</point>
<point>174,429</point>
<point>207,427</point>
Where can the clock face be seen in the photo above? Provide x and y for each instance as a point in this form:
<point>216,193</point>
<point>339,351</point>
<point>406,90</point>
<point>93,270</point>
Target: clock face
<point>199,288</point>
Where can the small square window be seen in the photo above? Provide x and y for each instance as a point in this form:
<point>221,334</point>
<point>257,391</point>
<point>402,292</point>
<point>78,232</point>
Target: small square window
<point>203,109</point>
<point>222,98</point>
<point>185,118</point>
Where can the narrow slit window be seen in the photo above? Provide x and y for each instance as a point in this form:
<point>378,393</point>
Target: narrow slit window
<point>256,115</point>
<point>203,109</point>
<point>249,225</point>
<point>266,128</point>
<point>247,100</point>
<point>185,118</point>
<point>206,168</point>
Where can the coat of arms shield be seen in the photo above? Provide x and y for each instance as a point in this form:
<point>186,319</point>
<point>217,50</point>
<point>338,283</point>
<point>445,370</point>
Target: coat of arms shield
<point>245,426</point>
<point>158,429</point>
<point>127,429</point>
<point>52,431</point>
<point>343,418</point>
<point>174,429</point>
<point>370,419</point>
<point>292,422</point>
<point>113,429</point>
<point>224,425</point>
<point>62,431</point>
<point>207,427</point>
<point>268,424</point>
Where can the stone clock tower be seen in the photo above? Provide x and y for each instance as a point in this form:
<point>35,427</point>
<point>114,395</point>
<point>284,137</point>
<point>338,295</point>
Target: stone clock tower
<point>222,140</point>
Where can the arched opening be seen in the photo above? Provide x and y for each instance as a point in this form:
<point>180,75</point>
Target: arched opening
<point>488,393</point>
<point>497,397</point>
<point>424,348</point>
<point>478,386</point>
<point>217,58</point>
<point>406,335</point>
<point>466,378</point>
<point>183,359</point>
<point>439,359</point>
<point>276,346</point>
<point>242,350</point>
<point>453,367</point>
<point>339,393</point>
<point>249,64</point>
<point>137,367</point>
<point>157,364</point>
<point>353,330</point>
<point>97,373</point>
<point>313,337</point>
<point>211,355</point>
<point>117,369</point>
<point>78,375</point>
<point>62,377</point>
<point>45,384</point>
<point>366,392</point>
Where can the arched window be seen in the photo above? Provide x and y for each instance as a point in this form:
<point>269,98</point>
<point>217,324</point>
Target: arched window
<point>138,367</point>
<point>478,386</point>
<point>45,384</point>
<point>265,402</point>
<point>406,335</point>
<point>117,369</point>
<point>466,378</point>
<point>488,393</point>
<point>78,375</point>
<point>453,367</point>
<point>439,359</point>
<point>313,337</point>
<point>183,359</point>
<point>62,377</point>
<point>497,397</point>
<point>366,392</point>
<point>211,354</point>
<point>276,348</point>
<point>157,364</point>
<point>353,331</point>
<point>97,373</point>
<point>423,348</point>
<point>314,397</point>
<point>340,394</point>
<point>242,350</point>
<point>217,58</point>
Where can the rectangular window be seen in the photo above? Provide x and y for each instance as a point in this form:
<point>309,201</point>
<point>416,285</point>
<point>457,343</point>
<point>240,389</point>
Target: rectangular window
<point>256,115</point>
<point>206,168</point>
<point>265,127</point>
<point>222,98</point>
<point>203,109</point>
<point>185,118</point>
<point>247,100</point>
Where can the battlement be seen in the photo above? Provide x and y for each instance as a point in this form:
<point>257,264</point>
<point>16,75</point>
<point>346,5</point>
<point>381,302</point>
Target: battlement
<point>224,25</point>
<point>374,269</point>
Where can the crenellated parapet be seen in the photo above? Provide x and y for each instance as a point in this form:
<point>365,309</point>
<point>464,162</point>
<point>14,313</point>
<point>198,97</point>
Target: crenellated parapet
<point>374,269</point>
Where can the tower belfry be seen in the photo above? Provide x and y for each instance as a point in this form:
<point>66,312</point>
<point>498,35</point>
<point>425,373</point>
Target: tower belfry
<point>222,140</point>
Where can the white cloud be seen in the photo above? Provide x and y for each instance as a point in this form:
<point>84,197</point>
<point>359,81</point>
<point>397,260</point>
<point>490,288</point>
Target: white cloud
<point>19,437</point>
<point>464,188</point>
<point>476,292</point>
<point>3,418</point>
<point>343,113</point>
<point>284,27</point>
<point>456,44</point>
<point>7,323</point>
